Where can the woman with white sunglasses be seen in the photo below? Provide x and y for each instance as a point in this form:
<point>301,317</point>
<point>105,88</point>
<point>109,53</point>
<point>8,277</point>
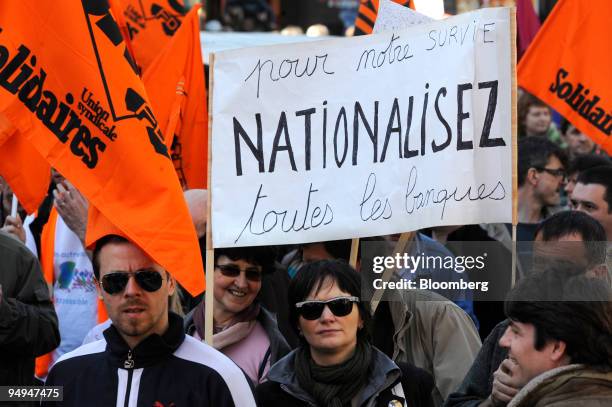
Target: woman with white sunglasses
<point>336,365</point>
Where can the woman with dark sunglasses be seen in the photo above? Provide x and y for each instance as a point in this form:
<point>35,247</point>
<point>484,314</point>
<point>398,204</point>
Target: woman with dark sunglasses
<point>243,329</point>
<point>336,365</point>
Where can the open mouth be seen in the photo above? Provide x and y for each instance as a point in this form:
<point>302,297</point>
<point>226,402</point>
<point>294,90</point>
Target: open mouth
<point>237,293</point>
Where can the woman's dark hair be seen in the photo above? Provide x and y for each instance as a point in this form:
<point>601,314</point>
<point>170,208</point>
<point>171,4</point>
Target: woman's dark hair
<point>311,278</point>
<point>263,256</point>
<point>567,306</point>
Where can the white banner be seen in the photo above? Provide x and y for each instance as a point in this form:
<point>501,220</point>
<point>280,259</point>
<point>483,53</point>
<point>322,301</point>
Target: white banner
<point>363,136</point>
<point>394,17</point>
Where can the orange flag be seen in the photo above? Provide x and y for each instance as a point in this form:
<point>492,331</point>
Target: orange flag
<point>176,87</point>
<point>569,66</point>
<point>151,24</point>
<point>69,85</point>
<point>367,12</point>
<point>22,166</point>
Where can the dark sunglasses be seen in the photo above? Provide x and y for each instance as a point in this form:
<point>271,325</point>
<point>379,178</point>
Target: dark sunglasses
<point>558,172</point>
<point>232,270</point>
<point>339,306</point>
<point>114,283</point>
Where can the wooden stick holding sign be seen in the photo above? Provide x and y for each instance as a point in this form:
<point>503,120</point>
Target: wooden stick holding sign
<point>354,253</point>
<point>400,247</point>
<point>514,141</point>
<point>210,252</point>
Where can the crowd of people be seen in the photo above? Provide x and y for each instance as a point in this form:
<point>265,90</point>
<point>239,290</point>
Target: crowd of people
<point>291,326</point>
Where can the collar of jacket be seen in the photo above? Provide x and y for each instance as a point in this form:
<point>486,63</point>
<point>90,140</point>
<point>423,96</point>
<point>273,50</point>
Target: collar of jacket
<point>151,350</point>
<point>382,374</point>
<point>554,379</point>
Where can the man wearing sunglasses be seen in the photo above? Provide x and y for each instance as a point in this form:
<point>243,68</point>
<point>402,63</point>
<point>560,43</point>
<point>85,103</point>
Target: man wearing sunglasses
<point>145,358</point>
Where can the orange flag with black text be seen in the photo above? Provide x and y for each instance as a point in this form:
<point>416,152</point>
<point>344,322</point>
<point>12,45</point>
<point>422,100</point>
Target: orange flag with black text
<point>367,12</point>
<point>151,24</point>
<point>176,87</point>
<point>70,87</point>
<point>569,66</point>
<point>22,166</point>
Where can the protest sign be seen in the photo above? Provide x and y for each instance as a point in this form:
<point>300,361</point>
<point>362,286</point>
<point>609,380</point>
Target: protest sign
<point>300,153</point>
<point>212,42</point>
<point>367,14</point>
<point>569,66</point>
<point>392,17</point>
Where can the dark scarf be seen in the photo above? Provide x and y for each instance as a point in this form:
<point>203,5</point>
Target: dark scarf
<point>336,385</point>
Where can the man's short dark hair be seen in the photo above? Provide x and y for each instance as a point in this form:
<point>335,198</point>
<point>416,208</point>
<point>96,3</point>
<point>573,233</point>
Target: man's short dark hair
<point>565,305</point>
<point>534,152</point>
<point>311,278</point>
<point>95,261</point>
<point>586,161</point>
<point>601,176</point>
<point>263,256</point>
<point>568,223</point>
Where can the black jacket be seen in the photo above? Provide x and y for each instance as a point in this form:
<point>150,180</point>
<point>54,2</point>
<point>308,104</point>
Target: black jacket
<point>283,389</point>
<point>168,370</point>
<point>28,324</point>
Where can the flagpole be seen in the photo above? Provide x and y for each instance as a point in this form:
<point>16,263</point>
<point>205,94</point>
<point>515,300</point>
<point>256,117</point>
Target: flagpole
<point>210,252</point>
<point>514,140</point>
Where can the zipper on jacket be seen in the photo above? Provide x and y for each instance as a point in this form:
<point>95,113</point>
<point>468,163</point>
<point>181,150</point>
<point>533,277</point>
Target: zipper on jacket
<point>129,362</point>
<point>129,365</point>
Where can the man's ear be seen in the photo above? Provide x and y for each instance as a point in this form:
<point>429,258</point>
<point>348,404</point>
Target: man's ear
<point>558,353</point>
<point>98,288</point>
<point>171,284</point>
<point>532,176</point>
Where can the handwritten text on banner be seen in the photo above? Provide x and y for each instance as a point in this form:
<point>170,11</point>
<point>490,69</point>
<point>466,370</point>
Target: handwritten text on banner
<point>363,136</point>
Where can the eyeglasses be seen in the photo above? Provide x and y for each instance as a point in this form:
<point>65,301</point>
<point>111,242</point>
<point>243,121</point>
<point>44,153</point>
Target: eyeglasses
<point>114,283</point>
<point>559,172</point>
<point>232,270</point>
<point>339,306</point>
